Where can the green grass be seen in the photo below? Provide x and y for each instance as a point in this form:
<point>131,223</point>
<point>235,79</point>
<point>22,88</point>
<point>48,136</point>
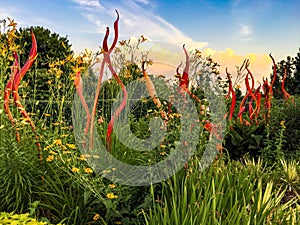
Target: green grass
<point>223,194</point>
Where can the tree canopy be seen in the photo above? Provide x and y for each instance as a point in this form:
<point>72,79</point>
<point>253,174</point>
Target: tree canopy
<point>50,45</point>
<point>292,82</point>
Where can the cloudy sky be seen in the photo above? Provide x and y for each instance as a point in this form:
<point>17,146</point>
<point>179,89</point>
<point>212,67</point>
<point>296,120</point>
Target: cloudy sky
<point>229,30</point>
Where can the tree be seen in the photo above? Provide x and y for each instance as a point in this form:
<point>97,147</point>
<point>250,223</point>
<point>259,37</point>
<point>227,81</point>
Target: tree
<point>50,80</point>
<point>53,65</point>
<point>297,74</point>
<point>50,46</point>
<point>292,82</point>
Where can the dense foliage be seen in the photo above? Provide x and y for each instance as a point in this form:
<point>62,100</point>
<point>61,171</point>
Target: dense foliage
<point>292,83</point>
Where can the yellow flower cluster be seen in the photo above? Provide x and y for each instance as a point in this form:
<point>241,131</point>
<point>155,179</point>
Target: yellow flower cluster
<point>71,146</point>
<point>9,32</point>
<point>282,124</point>
<point>88,170</point>
<point>75,170</point>
<point>112,186</point>
<point>81,62</point>
<point>81,158</point>
<point>111,196</point>
<point>57,142</point>
<point>50,158</point>
<point>53,149</point>
<point>96,217</point>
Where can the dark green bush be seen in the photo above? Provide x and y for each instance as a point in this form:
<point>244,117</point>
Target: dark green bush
<point>289,113</point>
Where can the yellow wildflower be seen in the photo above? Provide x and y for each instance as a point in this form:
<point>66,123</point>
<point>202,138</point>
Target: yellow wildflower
<point>118,222</point>
<point>69,58</point>
<point>96,217</point>
<point>77,69</point>
<point>111,196</point>
<point>67,152</point>
<point>64,135</point>
<point>57,142</point>
<point>88,170</point>
<point>176,115</point>
<point>75,170</point>
<point>47,147</point>
<point>50,158</point>
<point>71,146</point>
<point>238,86</point>
<point>282,124</point>
<point>52,152</point>
<point>82,158</point>
<point>51,65</point>
<point>112,186</point>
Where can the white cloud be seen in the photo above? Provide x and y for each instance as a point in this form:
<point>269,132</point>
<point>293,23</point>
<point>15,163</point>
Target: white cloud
<point>89,3</point>
<point>9,11</point>
<point>135,19</point>
<point>146,2</point>
<point>25,17</point>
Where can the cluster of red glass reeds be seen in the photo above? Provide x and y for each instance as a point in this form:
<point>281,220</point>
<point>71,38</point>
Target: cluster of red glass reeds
<point>12,87</point>
<point>252,97</point>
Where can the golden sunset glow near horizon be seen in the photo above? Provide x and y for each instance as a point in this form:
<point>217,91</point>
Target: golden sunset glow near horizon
<point>228,31</point>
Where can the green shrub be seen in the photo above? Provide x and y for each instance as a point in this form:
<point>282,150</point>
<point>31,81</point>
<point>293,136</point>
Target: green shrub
<point>289,113</point>
<point>19,219</point>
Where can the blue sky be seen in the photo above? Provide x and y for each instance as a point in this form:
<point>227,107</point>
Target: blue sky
<point>230,28</point>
